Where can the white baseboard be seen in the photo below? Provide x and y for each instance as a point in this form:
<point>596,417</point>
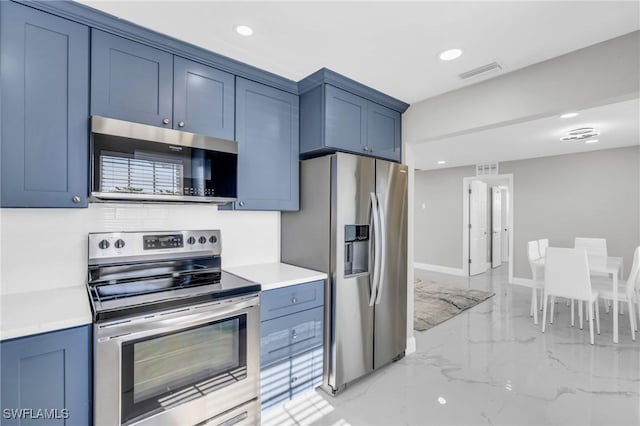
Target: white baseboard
<point>526,282</point>
<point>411,345</point>
<point>441,269</point>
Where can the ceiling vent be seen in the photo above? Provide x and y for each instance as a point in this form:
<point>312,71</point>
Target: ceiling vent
<point>484,69</point>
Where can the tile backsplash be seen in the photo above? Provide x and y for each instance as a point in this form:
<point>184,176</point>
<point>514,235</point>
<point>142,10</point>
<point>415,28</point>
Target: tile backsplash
<point>47,248</point>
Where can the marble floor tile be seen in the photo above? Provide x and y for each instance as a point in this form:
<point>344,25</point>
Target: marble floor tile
<point>491,365</point>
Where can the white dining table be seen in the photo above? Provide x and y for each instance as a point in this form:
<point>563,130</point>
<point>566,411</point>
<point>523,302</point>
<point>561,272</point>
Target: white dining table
<point>612,266</point>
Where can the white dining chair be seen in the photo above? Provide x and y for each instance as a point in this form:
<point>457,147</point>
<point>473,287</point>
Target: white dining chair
<point>627,291</point>
<point>593,246</point>
<point>536,263</point>
<point>566,274</point>
<point>542,246</point>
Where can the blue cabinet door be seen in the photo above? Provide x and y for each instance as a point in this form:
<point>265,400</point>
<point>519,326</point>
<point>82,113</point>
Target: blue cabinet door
<point>267,135</point>
<point>346,120</point>
<point>49,371</point>
<point>383,135</point>
<point>45,96</point>
<point>203,99</point>
<point>130,81</point>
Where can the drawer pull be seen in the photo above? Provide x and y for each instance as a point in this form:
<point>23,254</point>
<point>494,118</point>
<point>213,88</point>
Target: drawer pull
<point>294,300</point>
<point>294,379</point>
<point>294,335</point>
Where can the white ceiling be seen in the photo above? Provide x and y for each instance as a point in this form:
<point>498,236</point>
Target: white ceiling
<point>618,124</point>
<point>391,46</point>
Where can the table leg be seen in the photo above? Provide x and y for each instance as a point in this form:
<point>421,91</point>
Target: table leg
<point>615,308</point>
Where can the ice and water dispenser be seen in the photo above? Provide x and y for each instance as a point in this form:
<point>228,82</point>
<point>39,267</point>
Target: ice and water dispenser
<point>356,249</point>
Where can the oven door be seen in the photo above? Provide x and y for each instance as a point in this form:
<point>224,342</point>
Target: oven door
<point>177,367</point>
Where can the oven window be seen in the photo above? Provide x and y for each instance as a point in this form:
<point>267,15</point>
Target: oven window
<point>166,370</point>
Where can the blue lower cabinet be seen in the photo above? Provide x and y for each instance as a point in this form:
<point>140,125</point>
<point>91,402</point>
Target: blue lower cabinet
<point>46,379</point>
<point>291,345</point>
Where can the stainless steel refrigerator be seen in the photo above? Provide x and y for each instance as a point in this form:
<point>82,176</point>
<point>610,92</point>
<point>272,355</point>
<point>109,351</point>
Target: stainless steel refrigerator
<point>352,224</point>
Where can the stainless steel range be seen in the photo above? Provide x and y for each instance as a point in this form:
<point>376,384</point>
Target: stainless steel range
<point>176,339</point>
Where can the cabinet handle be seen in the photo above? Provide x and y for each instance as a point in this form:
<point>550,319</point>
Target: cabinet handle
<point>76,199</point>
<point>165,121</point>
<point>294,300</point>
<point>293,334</point>
<point>181,124</point>
<point>241,203</point>
<point>294,379</point>
<point>366,148</point>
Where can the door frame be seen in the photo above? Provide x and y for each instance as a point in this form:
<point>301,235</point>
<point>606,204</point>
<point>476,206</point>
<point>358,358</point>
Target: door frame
<point>465,217</point>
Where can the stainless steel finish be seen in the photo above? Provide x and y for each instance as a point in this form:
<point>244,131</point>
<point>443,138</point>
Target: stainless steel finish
<point>133,248</point>
<point>338,190</point>
<point>247,414</point>
<point>165,121</point>
<point>181,124</point>
<point>111,196</point>
<point>76,199</point>
<point>391,309</point>
<point>109,337</point>
<point>126,129</point>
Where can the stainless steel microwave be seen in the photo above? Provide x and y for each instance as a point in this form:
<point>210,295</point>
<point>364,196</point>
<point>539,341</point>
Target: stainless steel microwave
<point>138,162</point>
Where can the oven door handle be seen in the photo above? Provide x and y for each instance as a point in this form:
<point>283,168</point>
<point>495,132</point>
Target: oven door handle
<point>176,321</point>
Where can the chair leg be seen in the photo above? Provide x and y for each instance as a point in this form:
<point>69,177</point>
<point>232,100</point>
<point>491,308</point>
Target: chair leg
<point>553,306</point>
<point>580,313</point>
<point>572,315</point>
<point>544,313</point>
<point>597,315</point>
<point>632,321</point>
<point>533,296</point>
<point>591,322</point>
<point>541,297</point>
<point>534,307</point>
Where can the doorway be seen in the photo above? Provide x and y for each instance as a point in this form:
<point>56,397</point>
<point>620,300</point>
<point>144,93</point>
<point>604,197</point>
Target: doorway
<point>487,223</point>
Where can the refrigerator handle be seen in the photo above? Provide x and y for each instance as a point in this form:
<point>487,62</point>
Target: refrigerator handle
<point>375,218</point>
<point>383,249</point>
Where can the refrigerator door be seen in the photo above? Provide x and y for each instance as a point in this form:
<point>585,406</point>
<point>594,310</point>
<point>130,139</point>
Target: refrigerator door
<point>390,325</point>
<point>351,349</point>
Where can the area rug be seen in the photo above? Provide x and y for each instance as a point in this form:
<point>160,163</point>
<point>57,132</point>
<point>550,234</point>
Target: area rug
<point>436,302</point>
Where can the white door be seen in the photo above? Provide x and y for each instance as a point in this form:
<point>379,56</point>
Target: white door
<point>505,225</point>
<point>496,227</point>
<point>477,227</point>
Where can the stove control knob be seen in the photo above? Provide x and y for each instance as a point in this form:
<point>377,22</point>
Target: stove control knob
<point>104,244</point>
<point>119,243</point>
<point>213,239</point>
<point>202,240</point>
<point>191,240</point>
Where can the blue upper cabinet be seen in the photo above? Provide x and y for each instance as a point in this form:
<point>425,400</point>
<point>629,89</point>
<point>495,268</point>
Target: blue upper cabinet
<point>130,81</point>
<point>203,99</point>
<point>45,105</point>
<point>383,132</point>
<point>49,371</point>
<point>346,120</point>
<point>267,135</point>
<point>339,114</point>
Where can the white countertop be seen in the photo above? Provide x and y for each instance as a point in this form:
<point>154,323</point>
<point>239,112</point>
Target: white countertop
<point>276,275</point>
<point>24,314</point>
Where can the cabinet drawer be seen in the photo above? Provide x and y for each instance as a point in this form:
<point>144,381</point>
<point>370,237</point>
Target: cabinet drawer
<point>287,300</point>
<point>290,335</point>
<point>306,371</point>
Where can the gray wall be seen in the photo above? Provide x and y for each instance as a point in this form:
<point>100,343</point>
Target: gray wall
<point>594,194</point>
<point>438,225</point>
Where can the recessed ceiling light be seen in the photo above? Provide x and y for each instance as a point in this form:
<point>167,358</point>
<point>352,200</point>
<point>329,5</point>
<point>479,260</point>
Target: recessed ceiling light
<point>441,400</point>
<point>244,30</point>
<point>569,115</point>
<point>442,162</point>
<point>591,141</point>
<point>450,54</point>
